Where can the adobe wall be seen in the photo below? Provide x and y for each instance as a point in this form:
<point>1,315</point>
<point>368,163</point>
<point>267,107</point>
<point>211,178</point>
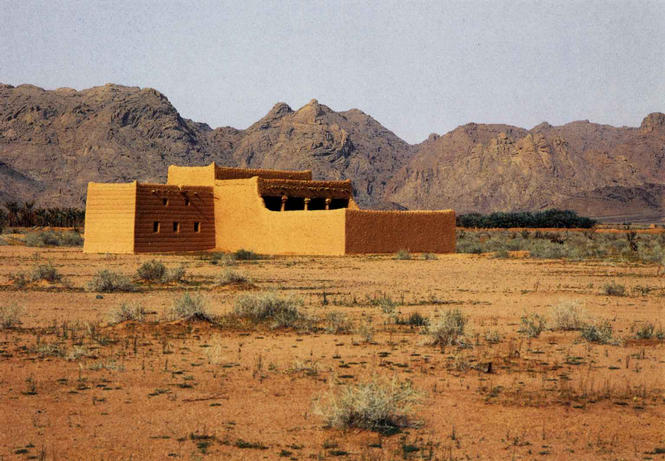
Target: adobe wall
<point>186,206</point>
<point>222,172</point>
<point>369,231</point>
<point>191,175</point>
<point>109,218</point>
<point>242,221</point>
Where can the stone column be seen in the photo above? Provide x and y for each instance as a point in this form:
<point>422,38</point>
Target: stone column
<point>328,200</point>
<point>284,199</point>
<point>307,200</point>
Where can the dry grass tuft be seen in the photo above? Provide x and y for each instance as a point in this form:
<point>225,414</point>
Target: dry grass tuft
<point>568,316</point>
<point>106,281</point>
<point>10,316</point>
<point>448,329</point>
<point>380,405</point>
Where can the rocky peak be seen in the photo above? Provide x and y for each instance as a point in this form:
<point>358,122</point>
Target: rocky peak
<point>653,122</point>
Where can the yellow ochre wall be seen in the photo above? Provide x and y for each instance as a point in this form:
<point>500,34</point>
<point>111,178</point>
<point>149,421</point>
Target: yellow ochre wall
<point>109,218</point>
<point>369,231</point>
<point>242,221</point>
<point>191,175</point>
<point>150,208</point>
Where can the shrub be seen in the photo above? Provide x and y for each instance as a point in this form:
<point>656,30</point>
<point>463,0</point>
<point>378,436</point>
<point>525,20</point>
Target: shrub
<point>189,307</point>
<point>378,405</point>
<point>175,274</point>
<point>546,218</point>
<point>365,330</point>
<point>648,331</point>
<point>260,307</point>
<point>46,272</point>
<point>128,312</point>
<point>152,271</point>
<point>222,259</point>
<point>448,329</point>
<point>41,239</point>
<point>10,316</point>
<point>532,325</point>
<point>20,279</point>
<point>568,316</point>
<point>429,256</point>
<point>106,281</point>
<point>492,337</point>
<point>52,238</point>
<point>614,289</point>
<point>336,323</point>
<point>229,277</point>
<point>403,255</point>
<point>385,302</point>
<point>71,239</point>
<point>246,255</point>
<point>600,332</point>
<point>415,319</point>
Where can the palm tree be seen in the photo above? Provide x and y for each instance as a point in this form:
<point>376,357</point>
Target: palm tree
<point>12,213</point>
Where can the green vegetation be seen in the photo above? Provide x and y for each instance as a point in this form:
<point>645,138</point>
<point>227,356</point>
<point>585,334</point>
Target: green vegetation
<point>128,312</point>
<point>532,324</point>
<point>546,218</point>
<point>156,271</point>
<point>648,331</point>
<point>614,289</point>
<point>53,238</point>
<point>229,277</point>
<point>46,272</point>
<point>378,405</point>
<point>283,312</point>
<point>336,323</point>
<point>415,319</point>
<point>573,245</point>
<point>189,307</point>
<point>403,255</point>
<point>106,281</point>
<point>26,215</point>
<point>599,332</point>
<point>246,255</point>
<point>151,271</point>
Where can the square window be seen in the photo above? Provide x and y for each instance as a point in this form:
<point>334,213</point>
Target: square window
<point>155,226</point>
<point>197,227</point>
<point>165,201</point>
<point>176,226</point>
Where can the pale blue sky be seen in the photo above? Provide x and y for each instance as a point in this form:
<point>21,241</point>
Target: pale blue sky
<point>417,67</point>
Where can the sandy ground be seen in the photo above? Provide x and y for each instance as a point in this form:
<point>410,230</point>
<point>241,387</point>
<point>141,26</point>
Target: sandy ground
<point>73,386</point>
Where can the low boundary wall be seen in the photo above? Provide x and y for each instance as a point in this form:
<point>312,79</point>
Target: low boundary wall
<point>369,231</point>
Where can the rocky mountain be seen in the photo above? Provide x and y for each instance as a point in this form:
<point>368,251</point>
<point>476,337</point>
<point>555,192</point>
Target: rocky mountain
<point>598,170</point>
<point>52,143</point>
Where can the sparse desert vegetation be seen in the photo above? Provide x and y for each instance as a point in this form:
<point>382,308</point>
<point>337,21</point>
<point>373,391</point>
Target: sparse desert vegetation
<point>358,357</point>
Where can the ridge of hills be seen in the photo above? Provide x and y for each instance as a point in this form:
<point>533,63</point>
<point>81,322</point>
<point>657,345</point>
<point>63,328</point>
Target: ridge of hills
<point>53,142</point>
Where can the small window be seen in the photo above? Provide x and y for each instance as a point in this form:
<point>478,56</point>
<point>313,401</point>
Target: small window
<point>176,226</point>
<point>165,201</point>
<point>197,227</point>
<point>186,201</point>
<point>155,226</point>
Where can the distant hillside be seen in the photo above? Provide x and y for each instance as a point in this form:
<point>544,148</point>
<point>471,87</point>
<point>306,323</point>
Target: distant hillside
<point>53,142</point>
<point>596,170</point>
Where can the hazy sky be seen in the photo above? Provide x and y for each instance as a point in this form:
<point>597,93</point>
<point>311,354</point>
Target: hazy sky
<point>417,67</point>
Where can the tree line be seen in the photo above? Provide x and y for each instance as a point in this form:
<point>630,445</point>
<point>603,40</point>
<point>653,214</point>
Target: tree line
<point>546,218</point>
<point>17,214</point>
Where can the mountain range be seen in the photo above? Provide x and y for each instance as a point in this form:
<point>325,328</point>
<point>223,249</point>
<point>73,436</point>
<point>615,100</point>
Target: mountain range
<point>53,142</point>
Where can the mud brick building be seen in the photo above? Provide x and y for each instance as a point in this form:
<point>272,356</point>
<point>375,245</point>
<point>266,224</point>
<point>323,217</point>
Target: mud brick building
<point>266,211</point>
